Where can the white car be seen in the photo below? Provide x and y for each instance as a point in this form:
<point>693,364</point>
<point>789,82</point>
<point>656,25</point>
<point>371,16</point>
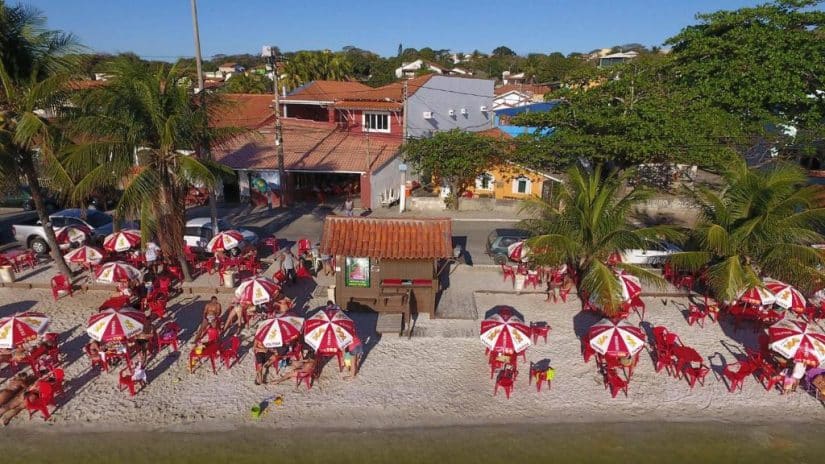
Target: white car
<point>654,254</point>
<point>199,231</point>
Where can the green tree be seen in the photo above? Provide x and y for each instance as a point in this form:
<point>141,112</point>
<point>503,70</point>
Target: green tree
<point>637,116</point>
<point>503,51</point>
<point>588,221</point>
<point>454,157</point>
<point>308,66</point>
<point>33,79</point>
<point>248,83</point>
<point>762,64</point>
<point>139,131</point>
<point>762,224</point>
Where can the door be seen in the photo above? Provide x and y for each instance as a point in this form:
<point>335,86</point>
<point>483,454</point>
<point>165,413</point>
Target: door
<point>546,189</point>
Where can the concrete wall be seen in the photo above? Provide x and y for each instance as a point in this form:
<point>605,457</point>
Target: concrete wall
<point>388,177</point>
<point>444,93</point>
<point>465,204</point>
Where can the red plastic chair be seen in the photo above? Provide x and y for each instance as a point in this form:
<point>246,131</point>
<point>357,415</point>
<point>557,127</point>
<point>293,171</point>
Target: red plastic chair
<point>696,314</point>
<point>168,336</point>
<point>539,330</point>
<point>209,351</point>
<point>769,376</point>
<point>272,244</point>
<point>61,284</point>
<point>508,271</point>
<point>157,305</point>
<point>615,383</point>
<point>304,245</point>
<point>230,351</point>
<point>532,278</point>
<point>696,373</point>
<point>125,381</point>
<point>57,384</point>
<point>686,282</point>
<point>505,380</point>
<point>302,272</point>
<point>563,294</point>
<point>96,360</point>
<point>41,404</point>
<point>664,360</point>
<point>53,339</point>
<point>307,378</point>
<point>736,374</point>
<point>279,277</point>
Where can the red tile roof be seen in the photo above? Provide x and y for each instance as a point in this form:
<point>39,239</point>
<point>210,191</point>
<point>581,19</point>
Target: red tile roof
<point>326,91</point>
<point>310,146</point>
<point>243,110</point>
<point>495,133</point>
<point>525,88</point>
<point>391,238</point>
<point>336,91</point>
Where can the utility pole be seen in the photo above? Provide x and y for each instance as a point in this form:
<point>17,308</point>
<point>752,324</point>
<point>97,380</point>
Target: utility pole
<point>402,192</point>
<point>269,53</point>
<point>213,207</point>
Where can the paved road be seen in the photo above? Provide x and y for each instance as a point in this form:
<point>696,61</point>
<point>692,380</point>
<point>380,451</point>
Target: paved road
<point>471,233</point>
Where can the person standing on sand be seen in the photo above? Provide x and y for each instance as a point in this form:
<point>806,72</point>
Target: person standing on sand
<point>288,265</point>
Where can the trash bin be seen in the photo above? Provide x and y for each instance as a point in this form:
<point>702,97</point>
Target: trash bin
<point>6,274</point>
<point>331,293</point>
<point>228,279</point>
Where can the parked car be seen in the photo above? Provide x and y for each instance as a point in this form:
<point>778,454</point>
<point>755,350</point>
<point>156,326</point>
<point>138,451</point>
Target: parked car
<point>500,239</point>
<point>22,198</point>
<point>31,233</point>
<point>653,254</point>
<point>199,232</point>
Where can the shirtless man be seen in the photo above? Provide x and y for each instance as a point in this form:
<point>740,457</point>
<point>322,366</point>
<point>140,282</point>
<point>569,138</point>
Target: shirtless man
<point>16,385</point>
<point>236,316</point>
<point>211,312</point>
<point>304,365</point>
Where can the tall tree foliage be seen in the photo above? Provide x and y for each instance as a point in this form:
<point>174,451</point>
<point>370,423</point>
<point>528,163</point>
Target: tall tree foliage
<point>636,115</point>
<point>307,66</point>
<point>588,220</point>
<point>762,224</point>
<point>139,131</point>
<point>33,80</point>
<point>454,157</point>
<point>762,64</point>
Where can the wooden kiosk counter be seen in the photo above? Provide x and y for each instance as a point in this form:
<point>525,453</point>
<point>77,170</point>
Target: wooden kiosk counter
<point>387,264</point>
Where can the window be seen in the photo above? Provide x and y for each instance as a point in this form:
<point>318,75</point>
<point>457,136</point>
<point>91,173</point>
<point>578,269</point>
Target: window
<point>485,181</point>
<point>521,184</point>
<point>377,122</point>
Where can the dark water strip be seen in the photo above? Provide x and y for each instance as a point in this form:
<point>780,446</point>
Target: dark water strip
<point>591,443</point>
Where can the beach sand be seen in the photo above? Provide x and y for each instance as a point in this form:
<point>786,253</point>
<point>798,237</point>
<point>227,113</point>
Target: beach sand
<point>441,379</point>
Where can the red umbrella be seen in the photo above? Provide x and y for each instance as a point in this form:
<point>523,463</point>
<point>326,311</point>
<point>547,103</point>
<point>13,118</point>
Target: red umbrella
<point>798,341</point>
<point>757,296</point>
<point>786,295</point>
<point>616,338</point>
<point>21,328</point>
<point>116,271</point>
<point>257,290</point>
<point>114,325</point>
<point>122,241</point>
<point>72,234</point>
<point>508,336</point>
<point>631,286</point>
<point>224,241</point>
<point>518,251</point>
<point>84,255</point>
<point>279,331</point>
<point>328,331</point>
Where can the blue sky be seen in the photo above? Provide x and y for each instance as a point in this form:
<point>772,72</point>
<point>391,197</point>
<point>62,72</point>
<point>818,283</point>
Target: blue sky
<point>162,29</point>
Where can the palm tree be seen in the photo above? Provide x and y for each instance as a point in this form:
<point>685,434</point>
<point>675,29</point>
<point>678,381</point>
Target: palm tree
<point>761,224</point>
<point>308,66</point>
<point>585,224</point>
<point>33,75</point>
<point>248,83</point>
<point>139,131</point>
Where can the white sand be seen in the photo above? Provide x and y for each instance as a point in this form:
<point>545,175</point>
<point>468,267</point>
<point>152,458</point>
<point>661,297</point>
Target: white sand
<point>423,381</point>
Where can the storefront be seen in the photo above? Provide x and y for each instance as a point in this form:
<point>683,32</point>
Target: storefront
<point>387,264</point>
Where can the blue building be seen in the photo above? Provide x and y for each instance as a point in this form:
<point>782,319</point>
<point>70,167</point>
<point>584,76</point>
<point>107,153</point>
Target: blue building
<point>503,116</point>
